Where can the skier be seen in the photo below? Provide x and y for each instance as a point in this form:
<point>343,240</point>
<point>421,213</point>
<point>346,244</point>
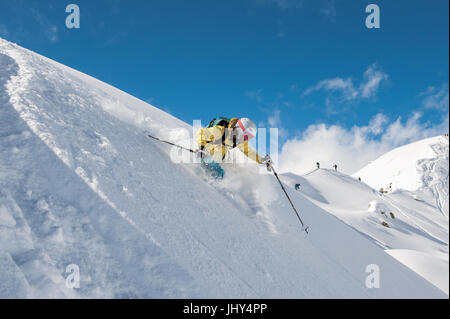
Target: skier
<point>222,135</point>
<point>297,187</point>
<point>318,165</point>
<point>335,167</point>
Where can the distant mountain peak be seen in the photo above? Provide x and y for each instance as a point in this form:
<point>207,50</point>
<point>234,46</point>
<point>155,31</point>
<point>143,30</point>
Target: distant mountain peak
<point>421,167</point>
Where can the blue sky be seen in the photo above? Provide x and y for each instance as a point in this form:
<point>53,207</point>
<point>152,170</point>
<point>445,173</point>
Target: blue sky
<point>284,63</point>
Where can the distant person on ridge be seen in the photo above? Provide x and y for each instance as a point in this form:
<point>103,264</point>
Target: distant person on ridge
<point>335,167</point>
<point>318,165</point>
<point>222,135</point>
<point>297,187</point>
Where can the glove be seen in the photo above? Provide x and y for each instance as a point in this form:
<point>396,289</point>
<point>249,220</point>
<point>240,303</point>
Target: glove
<point>266,160</point>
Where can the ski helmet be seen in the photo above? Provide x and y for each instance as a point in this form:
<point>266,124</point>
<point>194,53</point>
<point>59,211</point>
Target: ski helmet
<point>246,127</point>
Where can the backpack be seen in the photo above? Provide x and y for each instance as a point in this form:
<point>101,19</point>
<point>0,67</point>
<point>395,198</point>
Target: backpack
<point>225,122</point>
<point>222,121</point>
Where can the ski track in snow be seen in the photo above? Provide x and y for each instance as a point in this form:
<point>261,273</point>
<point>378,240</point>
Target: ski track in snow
<point>395,204</point>
<point>81,184</point>
<point>432,169</point>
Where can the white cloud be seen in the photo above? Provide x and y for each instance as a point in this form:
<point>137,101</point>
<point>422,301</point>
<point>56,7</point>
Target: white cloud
<point>376,124</point>
<point>435,98</point>
<point>368,87</point>
<point>274,119</point>
<point>345,86</point>
<point>352,149</point>
<point>373,77</point>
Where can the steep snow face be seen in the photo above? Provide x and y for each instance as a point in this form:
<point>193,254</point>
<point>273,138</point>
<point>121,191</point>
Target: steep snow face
<point>420,167</point>
<point>414,232</point>
<point>81,184</point>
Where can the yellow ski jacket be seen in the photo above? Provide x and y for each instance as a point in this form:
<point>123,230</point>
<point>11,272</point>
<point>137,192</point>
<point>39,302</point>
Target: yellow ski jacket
<point>211,140</point>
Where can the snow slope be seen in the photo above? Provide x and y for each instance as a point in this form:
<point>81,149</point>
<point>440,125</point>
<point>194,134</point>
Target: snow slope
<point>81,184</point>
<point>418,233</point>
<point>420,168</point>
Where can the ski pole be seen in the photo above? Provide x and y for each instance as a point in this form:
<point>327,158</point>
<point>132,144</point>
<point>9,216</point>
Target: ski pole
<point>173,144</point>
<point>305,228</point>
